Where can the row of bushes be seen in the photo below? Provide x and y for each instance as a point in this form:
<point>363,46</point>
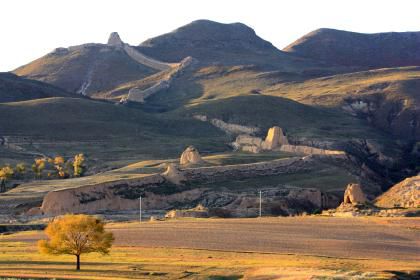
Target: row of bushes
<point>46,167</point>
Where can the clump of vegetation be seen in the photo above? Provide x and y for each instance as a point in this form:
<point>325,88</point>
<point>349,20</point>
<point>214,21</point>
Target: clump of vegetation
<point>78,165</point>
<point>76,235</point>
<point>6,173</point>
<point>56,167</point>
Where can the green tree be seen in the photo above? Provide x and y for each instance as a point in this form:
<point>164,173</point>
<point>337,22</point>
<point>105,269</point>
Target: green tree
<point>76,235</point>
<point>20,169</point>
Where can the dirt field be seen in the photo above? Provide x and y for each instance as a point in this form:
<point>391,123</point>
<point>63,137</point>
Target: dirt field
<point>268,248</point>
<point>333,237</point>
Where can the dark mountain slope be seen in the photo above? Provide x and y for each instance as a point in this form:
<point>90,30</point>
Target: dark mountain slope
<point>391,49</point>
<point>212,42</point>
<point>14,88</point>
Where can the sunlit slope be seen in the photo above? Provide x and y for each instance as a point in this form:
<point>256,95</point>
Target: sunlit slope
<point>387,98</point>
<point>85,69</point>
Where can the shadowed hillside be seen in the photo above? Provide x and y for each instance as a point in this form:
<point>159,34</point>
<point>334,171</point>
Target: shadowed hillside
<point>337,47</point>
<point>14,88</point>
<point>228,44</point>
<point>105,132</point>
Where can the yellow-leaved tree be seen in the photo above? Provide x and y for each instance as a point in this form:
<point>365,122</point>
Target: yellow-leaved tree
<point>76,235</point>
<point>78,165</point>
<point>6,173</point>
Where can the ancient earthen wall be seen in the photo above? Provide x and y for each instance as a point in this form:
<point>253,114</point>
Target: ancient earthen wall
<point>141,58</point>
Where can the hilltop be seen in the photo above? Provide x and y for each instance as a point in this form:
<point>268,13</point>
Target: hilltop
<point>86,69</point>
<point>369,51</point>
<point>227,44</point>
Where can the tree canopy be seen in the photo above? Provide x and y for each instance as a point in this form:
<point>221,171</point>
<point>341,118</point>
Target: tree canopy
<point>76,235</point>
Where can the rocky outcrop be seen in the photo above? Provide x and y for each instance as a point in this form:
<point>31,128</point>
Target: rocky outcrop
<point>118,195</point>
<point>404,194</point>
<point>354,195</point>
<point>173,188</point>
<point>190,156</point>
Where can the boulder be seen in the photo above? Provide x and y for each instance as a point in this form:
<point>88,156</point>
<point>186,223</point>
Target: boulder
<point>354,195</point>
<point>35,211</point>
<point>190,156</point>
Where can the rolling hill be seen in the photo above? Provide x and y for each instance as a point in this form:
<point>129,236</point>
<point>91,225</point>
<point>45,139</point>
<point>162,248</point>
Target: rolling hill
<point>387,98</point>
<point>369,51</point>
<point>107,133</point>
<point>86,69</point>
<point>225,44</point>
<point>14,88</point>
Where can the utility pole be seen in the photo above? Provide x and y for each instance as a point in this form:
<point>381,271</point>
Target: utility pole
<point>260,202</point>
<point>140,209</point>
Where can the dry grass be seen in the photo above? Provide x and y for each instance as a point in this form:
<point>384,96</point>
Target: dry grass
<point>18,257</point>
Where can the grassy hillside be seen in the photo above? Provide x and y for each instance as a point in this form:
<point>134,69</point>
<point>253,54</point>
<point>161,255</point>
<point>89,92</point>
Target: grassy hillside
<point>106,132</point>
<point>227,44</point>
<point>387,98</point>
<point>87,68</point>
<point>14,88</point>
<point>378,50</point>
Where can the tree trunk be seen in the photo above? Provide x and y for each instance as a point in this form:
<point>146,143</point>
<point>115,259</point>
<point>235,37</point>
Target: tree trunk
<point>78,262</point>
<point>2,186</point>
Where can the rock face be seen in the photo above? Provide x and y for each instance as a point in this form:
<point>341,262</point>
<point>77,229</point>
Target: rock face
<point>404,194</point>
<point>190,156</point>
<point>354,195</point>
<point>115,40</point>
